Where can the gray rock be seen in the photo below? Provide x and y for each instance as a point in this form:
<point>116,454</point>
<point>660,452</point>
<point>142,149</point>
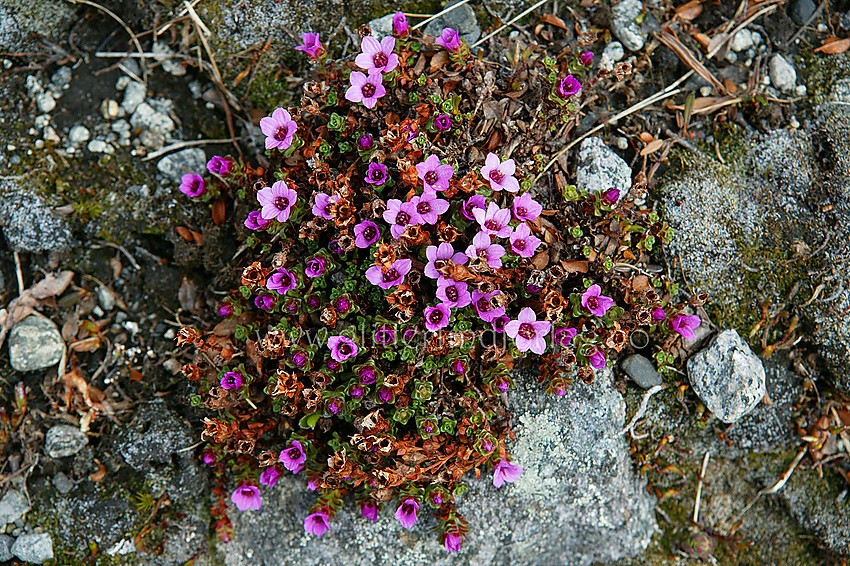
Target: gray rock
<point>727,376</point>
<point>614,51</point>
<point>134,94</point>
<point>164,54</point>
<point>62,483</point>
<point>35,343</point>
<point>122,548</point>
<point>152,140</point>
<point>783,76</point>
<point>600,169</point>
<point>577,502</point>
<point>145,117</point>
<point>6,543</point>
<point>461,19</point>
<point>62,78</point>
<point>819,507</point>
<point>64,440</point>
<point>100,146</point>
<point>623,24</point>
<point>22,21</point>
<point>175,165</point>
<point>35,548</point>
<point>45,102</point>
<point>801,10</point>
<point>13,506</point>
<point>91,517</point>
<point>29,225</point>
<point>642,371</point>
<point>741,41</point>
<point>79,134</point>
<point>382,27</point>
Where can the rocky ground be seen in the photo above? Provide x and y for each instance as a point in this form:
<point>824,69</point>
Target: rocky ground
<point>99,443</point>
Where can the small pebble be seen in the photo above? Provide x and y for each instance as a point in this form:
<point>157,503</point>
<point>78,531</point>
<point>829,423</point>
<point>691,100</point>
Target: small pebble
<point>45,102</point>
<point>109,109</point>
<point>100,146</point>
<point>79,134</point>
<point>794,123</point>
<point>800,90</point>
<point>122,82</point>
<point>822,28</point>
<point>42,120</point>
<point>705,90</point>
<point>622,143</point>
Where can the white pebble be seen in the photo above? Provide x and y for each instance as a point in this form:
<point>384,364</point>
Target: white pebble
<point>800,90</point>
<point>79,134</point>
<point>793,122</point>
<point>45,102</point>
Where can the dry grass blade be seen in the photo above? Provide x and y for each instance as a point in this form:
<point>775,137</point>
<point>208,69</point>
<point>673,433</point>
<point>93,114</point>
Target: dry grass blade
<point>180,145</point>
<point>510,23</point>
<point>685,54</point>
<point>438,14</point>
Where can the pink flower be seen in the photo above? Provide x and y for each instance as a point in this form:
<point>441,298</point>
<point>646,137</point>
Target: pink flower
<point>377,173</point>
<point>494,220</point>
<point>365,142</point>
<point>568,86</point>
<point>312,46</point>
<point>315,267</point>
<point>316,523</point>
<point>322,206</point>
<point>342,348</point>
<point>500,174</point>
<point>400,25</point>
<point>658,314</point>
<point>434,176</point>
<point>505,472</point>
<point>264,302</point>
<point>219,166</point>
<point>312,484</point>
<point>443,122</point>
<point>498,324</point>
<point>255,221</point>
<point>377,56</point>
<point>452,542</point>
<point>279,129</point>
<point>437,317</point>
<point>192,185</point>
<point>293,458</point>
<point>563,336</point>
<point>472,203</point>
<point>482,302</point>
<point>526,208</point>
<point>225,309</point>
<point>483,248</point>
<point>269,476</point>
<point>277,201</point>
<point>365,89</point>
<point>232,380</point>
<point>281,281</point>
<point>391,277</point>
<point>522,242</point>
<point>399,215</point>
<point>247,497</point>
<point>684,324</point>
<point>597,359</point>
<point>369,510</point>
<point>440,256</point>
<point>586,58</point>
<point>406,512</point>
<point>453,293</point>
<point>449,39</point>
<point>594,301</point>
<point>429,207</point>
<point>366,233</point>
<point>209,457</point>
<point>529,333</point>
<point>611,196</point>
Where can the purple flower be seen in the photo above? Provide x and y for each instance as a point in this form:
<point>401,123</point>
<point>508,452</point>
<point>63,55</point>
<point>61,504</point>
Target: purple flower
<point>399,215</point>
<point>483,306</point>
<point>452,542</point>
<point>586,58</point>
<point>494,220</point>
<point>365,89</point>
<point>429,207</point>
<point>312,484</point>
<point>312,46</point>
<point>334,406</point>
<point>377,56</point>
<point>526,208</point>
<point>299,359</point>
<point>453,293</point>
<point>434,175</point>
<point>458,366</point>
<point>192,185</point>
<point>333,365</point>
<point>684,324</point>
<point>231,380</point>
<point>406,512</point>
<point>568,86</point>
<point>219,166</point>
<point>522,242</point>
<point>384,335</point>
<point>563,336</point>
<point>269,476</point>
<point>385,395</point>
<point>277,201</point>
<point>498,324</point>
<point>391,277</point>
<point>597,359</point>
<point>279,129</point>
<point>209,457</point>
<point>365,142</point>
<point>658,314</point>
<point>377,173</point>
<point>400,25</point>
<point>342,348</point>
<point>225,309</point>
<point>322,205</point>
<point>247,497</point>
<point>594,301</point>
<point>356,391</point>
<point>483,248</point>
<point>472,203</point>
<point>505,472</point>
<point>255,221</point>
<point>449,39</point>
<point>315,267</point>
<point>443,122</point>
<point>281,281</point>
<point>500,174</point>
<point>316,523</point>
<point>437,317</point>
<point>529,333</point>
<point>264,302</point>
<point>368,508</point>
<point>366,233</point>
<point>611,196</point>
<point>440,256</point>
<point>342,305</point>
<point>293,458</point>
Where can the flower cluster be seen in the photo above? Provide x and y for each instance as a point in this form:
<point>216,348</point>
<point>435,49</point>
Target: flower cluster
<point>400,264</point>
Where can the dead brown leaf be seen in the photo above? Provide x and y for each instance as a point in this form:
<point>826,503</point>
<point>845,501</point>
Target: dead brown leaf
<point>554,20</point>
<point>690,10</point>
<point>834,46</point>
<point>439,60</point>
<point>652,147</point>
<point>218,212</point>
<point>100,473</point>
<point>574,266</point>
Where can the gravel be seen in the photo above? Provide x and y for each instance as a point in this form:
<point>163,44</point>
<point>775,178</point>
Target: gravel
<point>35,343</point>
<point>134,94</point>
<point>45,102</point>
<point>64,440</point>
<point>29,224</point>
<point>79,134</point>
<point>642,371</point>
